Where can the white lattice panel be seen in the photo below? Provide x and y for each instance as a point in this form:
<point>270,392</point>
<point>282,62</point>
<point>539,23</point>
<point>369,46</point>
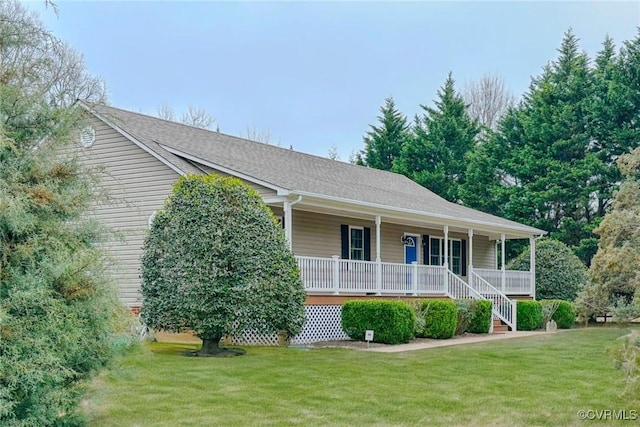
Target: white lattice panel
<point>323,323</point>
<point>254,338</point>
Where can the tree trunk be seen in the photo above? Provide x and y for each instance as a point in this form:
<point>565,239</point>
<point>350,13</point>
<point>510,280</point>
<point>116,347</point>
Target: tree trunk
<point>210,345</point>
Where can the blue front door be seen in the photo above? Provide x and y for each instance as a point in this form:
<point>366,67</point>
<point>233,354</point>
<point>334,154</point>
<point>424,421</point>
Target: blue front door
<point>410,249</point>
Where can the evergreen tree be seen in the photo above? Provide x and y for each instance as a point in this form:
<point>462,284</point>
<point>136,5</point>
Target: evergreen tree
<point>57,311</point>
<point>384,143</point>
<point>443,137</point>
<point>542,153</point>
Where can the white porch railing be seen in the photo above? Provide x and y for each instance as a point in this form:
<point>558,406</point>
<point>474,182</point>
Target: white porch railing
<point>503,307</point>
<point>512,282</point>
<point>340,276</point>
<point>337,276</point>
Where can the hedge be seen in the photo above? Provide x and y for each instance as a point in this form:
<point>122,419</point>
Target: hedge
<point>392,322</point>
<point>529,315</point>
<point>565,315</point>
<point>440,318</point>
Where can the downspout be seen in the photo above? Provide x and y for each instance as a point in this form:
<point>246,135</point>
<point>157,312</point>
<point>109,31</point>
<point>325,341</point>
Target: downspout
<point>288,220</point>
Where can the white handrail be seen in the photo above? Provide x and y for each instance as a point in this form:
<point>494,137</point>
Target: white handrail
<point>503,307</point>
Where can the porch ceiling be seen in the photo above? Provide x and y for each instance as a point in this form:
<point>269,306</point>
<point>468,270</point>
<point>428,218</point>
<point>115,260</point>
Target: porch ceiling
<point>408,218</point>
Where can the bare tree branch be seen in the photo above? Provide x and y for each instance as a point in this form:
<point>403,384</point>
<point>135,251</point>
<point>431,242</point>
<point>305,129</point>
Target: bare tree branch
<point>488,99</point>
<point>197,117</point>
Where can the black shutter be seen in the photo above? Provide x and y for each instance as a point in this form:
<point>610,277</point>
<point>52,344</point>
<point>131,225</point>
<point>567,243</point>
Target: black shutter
<point>463,248</point>
<point>344,233</point>
<point>367,244</point>
<point>426,250</point>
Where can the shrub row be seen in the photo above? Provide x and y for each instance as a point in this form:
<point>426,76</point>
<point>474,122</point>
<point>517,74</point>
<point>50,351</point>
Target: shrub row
<point>396,322</point>
<point>530,314</point>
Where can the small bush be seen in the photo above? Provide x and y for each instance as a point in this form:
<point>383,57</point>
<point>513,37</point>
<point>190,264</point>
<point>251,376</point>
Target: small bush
<point>624,312</point>
<point>529,315</point>
<point>418,314</point>
<point>441,319</point>
<point>474,316</point>
<point>464,315</point>
<point>562,312</point>
<point>480,317</point>
<point>627,358</point>
<point>392,322</point>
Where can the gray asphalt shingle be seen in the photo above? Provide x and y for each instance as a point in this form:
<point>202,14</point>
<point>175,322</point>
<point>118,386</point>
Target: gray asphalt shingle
<point>290,170</point>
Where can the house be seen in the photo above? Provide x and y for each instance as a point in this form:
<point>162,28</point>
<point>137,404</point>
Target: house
<point>355,231</point>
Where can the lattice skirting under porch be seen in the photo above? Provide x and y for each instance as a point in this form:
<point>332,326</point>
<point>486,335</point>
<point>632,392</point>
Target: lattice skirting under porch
<point>322,324</point>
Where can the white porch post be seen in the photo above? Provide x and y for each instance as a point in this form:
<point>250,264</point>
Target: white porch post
<point>504,272</point>
<point>378,259</point>
<point>532,264</point>
<point>470,268</point>
<point>446,246</point>
<point>287,223</point>
<point>446,258</point>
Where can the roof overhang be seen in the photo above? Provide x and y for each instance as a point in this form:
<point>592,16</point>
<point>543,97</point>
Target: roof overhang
<point>358,209</point>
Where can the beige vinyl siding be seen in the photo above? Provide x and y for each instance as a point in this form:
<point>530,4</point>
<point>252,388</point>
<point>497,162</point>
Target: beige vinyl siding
<point>263,191</point>
<point>484,252</point>
<point>137,184</point>
<point>319,235</point>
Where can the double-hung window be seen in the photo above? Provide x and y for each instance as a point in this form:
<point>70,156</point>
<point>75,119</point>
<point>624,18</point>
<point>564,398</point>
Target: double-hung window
<point>436,252</point>
<point>356,243</point>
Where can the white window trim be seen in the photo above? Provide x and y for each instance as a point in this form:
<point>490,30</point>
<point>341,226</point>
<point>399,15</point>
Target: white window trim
<point>356,227</point>
<point>449,257</point>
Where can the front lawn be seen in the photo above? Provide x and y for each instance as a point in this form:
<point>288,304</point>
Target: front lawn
<point>541,380</point>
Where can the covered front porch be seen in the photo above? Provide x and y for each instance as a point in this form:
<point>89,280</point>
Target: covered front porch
<point>351,250</point>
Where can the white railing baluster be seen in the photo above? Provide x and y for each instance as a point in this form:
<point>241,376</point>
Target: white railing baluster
<point>336,275</point>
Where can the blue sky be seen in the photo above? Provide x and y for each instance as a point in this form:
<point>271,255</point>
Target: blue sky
<point>315,74</point>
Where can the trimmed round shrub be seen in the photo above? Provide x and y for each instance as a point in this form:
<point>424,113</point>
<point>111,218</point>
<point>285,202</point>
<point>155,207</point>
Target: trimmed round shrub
<point>479,317</point>
<point>440,318</point>
<point>392,322</point>
<point>529,315</point>
<point>565,314</point>
<point>559,272</point>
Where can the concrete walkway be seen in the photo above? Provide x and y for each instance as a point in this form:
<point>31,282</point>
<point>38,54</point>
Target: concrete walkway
<point>420,344</point>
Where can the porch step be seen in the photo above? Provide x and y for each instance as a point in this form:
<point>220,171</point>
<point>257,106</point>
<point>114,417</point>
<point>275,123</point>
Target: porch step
<point>499,327</point>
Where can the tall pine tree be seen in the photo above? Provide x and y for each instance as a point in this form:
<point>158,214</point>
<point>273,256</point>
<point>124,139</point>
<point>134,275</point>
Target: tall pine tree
<point>384,143</point>
<point>436,155</point>
<point>551,163</point>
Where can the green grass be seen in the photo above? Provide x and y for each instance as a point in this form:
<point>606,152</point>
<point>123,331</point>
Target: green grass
<point>541,380</point>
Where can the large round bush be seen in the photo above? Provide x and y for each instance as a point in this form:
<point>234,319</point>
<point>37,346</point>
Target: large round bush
<point>216,262</point>
<point>559,272</point>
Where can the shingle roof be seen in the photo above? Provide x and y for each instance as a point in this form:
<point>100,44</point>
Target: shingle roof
<point>290,170</point>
